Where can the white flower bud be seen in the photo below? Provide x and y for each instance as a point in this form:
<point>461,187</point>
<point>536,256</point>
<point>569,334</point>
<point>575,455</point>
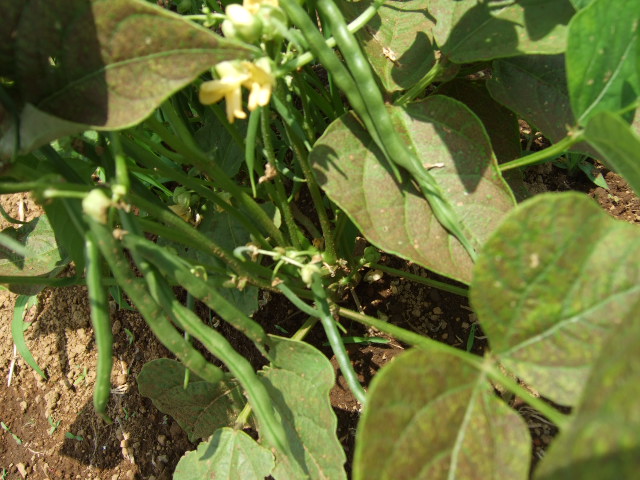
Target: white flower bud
<point>96,205</point>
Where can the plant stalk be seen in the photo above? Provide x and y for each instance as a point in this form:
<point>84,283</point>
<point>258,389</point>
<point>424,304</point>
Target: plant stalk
<point>551,152</point>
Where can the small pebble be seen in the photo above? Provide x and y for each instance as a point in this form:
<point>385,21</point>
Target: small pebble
<point>22,470</point>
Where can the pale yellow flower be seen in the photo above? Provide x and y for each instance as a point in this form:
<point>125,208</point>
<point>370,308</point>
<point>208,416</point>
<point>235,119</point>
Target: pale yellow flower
<point>260,83</point>
<point>256,77</point>
<point>232,76</point>
<point>254,5</point>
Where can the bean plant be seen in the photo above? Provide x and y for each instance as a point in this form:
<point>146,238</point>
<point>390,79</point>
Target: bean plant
<point>170,147</point>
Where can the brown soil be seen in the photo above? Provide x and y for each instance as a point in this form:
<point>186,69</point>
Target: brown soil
<point>143,443</point>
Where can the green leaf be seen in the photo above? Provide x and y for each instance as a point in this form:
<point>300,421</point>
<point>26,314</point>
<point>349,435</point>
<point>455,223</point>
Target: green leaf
<point>447,136</point>
<point>299,381</point>
<point>17,332</point>
<point>214,139</point>
<point>500,123</point>
<point>619,145</point>
<point>535,87</point>
<point>441,420</point>
<point>108,63</point>
<point>201,408</point>
<point>228,455</point>
<point>398,41</point>
<point>228,232</point>
<point>65,216</point>
<point>602,58</point>
<point>37,128</point>
<point>472,30</point>
<point>580,4</point>
<point>549,286</point>
<point>602,439</point>
<point>43,257</point>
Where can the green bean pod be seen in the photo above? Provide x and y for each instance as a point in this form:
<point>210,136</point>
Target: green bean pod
<point>335,340</point>
<point>98,299</point>
<point>339,72</point>
<point>179,271</point>
<point>390,142</point>
<point>154,316</point>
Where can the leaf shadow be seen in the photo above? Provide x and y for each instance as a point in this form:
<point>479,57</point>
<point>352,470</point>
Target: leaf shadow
<point>60,63</point>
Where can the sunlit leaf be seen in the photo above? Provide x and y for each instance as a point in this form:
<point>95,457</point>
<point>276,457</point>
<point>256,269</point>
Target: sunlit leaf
<point>299,381</point>
<point>450,140</point>
<point>228,455</point>
<point>602,58</point>
<point>602,439</point>
<point>535,87</point>
<point>432,416</point>
<point>618,144</point>
<point>472,30</point>
<point>201,408</point>
<point>550,284</point>
<point>105,63</point>
<point>42,253</point>
<point>398,41</point>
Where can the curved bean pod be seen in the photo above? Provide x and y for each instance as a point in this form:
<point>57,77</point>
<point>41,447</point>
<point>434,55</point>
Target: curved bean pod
<point>154,316</point>
<point>98,299</point>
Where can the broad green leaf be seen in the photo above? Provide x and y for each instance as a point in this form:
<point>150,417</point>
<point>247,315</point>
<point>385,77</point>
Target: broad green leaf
<point>535,87</point>
<point>618,144</point>
<point>450,140</point>
<point>602,439</point>
<point>500,123</point>
<point>432,416</point>
<point>65,216</point>
<point>228,232</point>
<point>37,128</point>
<point>602,58</point>
<point>472,30</point>
<point>43,255</point>
<point>108,63</point>
<point>549,286</point>
<point>299,381</point>
<point>228,455</point>
<point>397,41</point>
<point>201,408</point>
<point>214,139</point>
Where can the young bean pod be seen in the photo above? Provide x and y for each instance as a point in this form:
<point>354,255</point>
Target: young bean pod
<point>140,296</point>
<point>339,72</point>
<point>98,300</point>
<point>205,290</point>
<point>335,340</point>
<point>394,146</point>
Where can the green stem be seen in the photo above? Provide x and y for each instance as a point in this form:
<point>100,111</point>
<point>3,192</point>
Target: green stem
<point>464,292</point>
<point>147,158</point>
<point>335,340</point>
<point>423,83</point>
<point>487,365</point>
<point>289,221</point>
<point>550,152</point>
<point>217,176</point>
<point>329,255</point>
